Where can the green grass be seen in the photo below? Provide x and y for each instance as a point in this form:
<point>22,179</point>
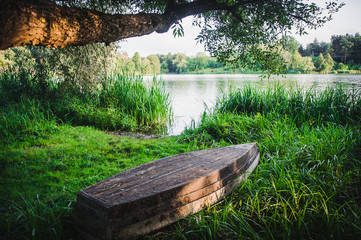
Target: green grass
<point>307,185</point>
<point>120,103</point>
<point>27,119</point>
<point>40,179</point>
<point>123,103</point>
<point>46,157</point>
<point>149,105</point>
<point>300,105</point>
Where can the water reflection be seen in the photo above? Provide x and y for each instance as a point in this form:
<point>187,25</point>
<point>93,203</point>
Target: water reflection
<point>190,93</point>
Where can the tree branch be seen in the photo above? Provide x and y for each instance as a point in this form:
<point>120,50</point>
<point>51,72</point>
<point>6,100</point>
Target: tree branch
<point>44,23</point>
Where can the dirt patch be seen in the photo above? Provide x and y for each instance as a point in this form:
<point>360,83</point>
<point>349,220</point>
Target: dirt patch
<point>137,135</point>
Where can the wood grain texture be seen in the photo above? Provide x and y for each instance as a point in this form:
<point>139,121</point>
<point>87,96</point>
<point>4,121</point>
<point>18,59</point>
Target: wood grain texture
<point>44,23</point>
<point>155,194</point>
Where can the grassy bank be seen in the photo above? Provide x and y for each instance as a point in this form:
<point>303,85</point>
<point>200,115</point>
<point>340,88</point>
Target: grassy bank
<point>307,185</point>
<point>40,178</point>
<point>30,104</point>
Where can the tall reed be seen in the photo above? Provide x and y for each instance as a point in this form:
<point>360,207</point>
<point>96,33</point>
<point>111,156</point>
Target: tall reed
<point>150,105</point>
<point>23,119</point>
<point>336,105</point>
<point>35,219</point>
<point>121,102</point>
<point>307,185</point>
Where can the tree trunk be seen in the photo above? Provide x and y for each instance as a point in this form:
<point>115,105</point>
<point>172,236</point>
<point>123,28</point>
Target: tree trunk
<point>47,24</point>
<point>42,22</point>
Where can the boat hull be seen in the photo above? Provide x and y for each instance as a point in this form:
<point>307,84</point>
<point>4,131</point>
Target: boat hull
<point>153,195</point>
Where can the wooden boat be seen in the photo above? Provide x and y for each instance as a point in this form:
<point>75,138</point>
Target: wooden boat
<point>150,196</point>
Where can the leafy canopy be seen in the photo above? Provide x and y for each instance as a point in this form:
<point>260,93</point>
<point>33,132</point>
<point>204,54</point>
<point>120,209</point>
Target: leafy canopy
<point>236,31</point>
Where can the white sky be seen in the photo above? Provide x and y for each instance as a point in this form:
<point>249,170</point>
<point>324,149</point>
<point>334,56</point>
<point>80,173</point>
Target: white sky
<point>347,20</point>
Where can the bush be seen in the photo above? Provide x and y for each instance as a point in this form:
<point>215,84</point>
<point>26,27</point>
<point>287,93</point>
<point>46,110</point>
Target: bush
<point>121,103</point>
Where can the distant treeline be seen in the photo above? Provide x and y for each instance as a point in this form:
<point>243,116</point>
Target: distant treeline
<point>345,51</point>
<point>169,63</point>
<point>342,55</point>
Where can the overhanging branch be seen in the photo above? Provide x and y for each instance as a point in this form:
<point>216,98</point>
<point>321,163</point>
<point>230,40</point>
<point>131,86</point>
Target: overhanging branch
<point>44,23</point>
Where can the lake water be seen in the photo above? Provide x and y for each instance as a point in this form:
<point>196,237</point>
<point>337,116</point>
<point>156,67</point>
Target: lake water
<point>191,94</point>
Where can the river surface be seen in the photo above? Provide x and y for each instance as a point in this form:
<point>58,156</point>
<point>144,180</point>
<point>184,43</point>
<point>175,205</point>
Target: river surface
<point>192,94</point>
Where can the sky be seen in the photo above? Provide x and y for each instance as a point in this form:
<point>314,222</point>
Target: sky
<point>347,20</point>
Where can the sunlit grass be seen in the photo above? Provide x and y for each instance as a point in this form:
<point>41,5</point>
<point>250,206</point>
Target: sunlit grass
<point>40,178</point>
<point>29,105</point>
<point>150,105</point>
<point>122,103</point>
<point>307,185</point>
<point>335,105</point>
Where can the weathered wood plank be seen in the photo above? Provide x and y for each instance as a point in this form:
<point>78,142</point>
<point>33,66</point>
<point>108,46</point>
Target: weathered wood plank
<point>182,169</point>
<point>130,214</point>
<point>190,179</point>
<point>161,220</point>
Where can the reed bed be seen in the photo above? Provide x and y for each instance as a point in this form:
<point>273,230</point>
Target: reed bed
<point>150,105</point>
<point>307,185</point>
<point>336,105</point>
<point>120,103</point>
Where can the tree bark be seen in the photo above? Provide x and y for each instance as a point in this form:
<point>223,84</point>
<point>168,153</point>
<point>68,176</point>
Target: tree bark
<point>42,22</point>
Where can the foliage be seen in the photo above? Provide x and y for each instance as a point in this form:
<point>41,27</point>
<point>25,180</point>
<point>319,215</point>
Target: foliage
<point>307,64</point>
<point>233,31</point>
<point>4,63</point>
<point>154,64</point>
<point>76,73</point>
<point>79,68</point>
<point>288,48</point>
<point>320,62</point>
<point>238,43</point>
<point>324,64</point>
<point>341,67</point>
<point>180,62</point>
<point>138,65</point>
<point>289,44</point>
<point>343,49</point>
<point>315,49</point>
<point>346,48</point>
<point>307,185</point>
<point>295,62</point>
<point>170,63</point>
<point>137,61</point>
<point>295,59</point>
<point>28,102</point>
<point>329,62</point>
